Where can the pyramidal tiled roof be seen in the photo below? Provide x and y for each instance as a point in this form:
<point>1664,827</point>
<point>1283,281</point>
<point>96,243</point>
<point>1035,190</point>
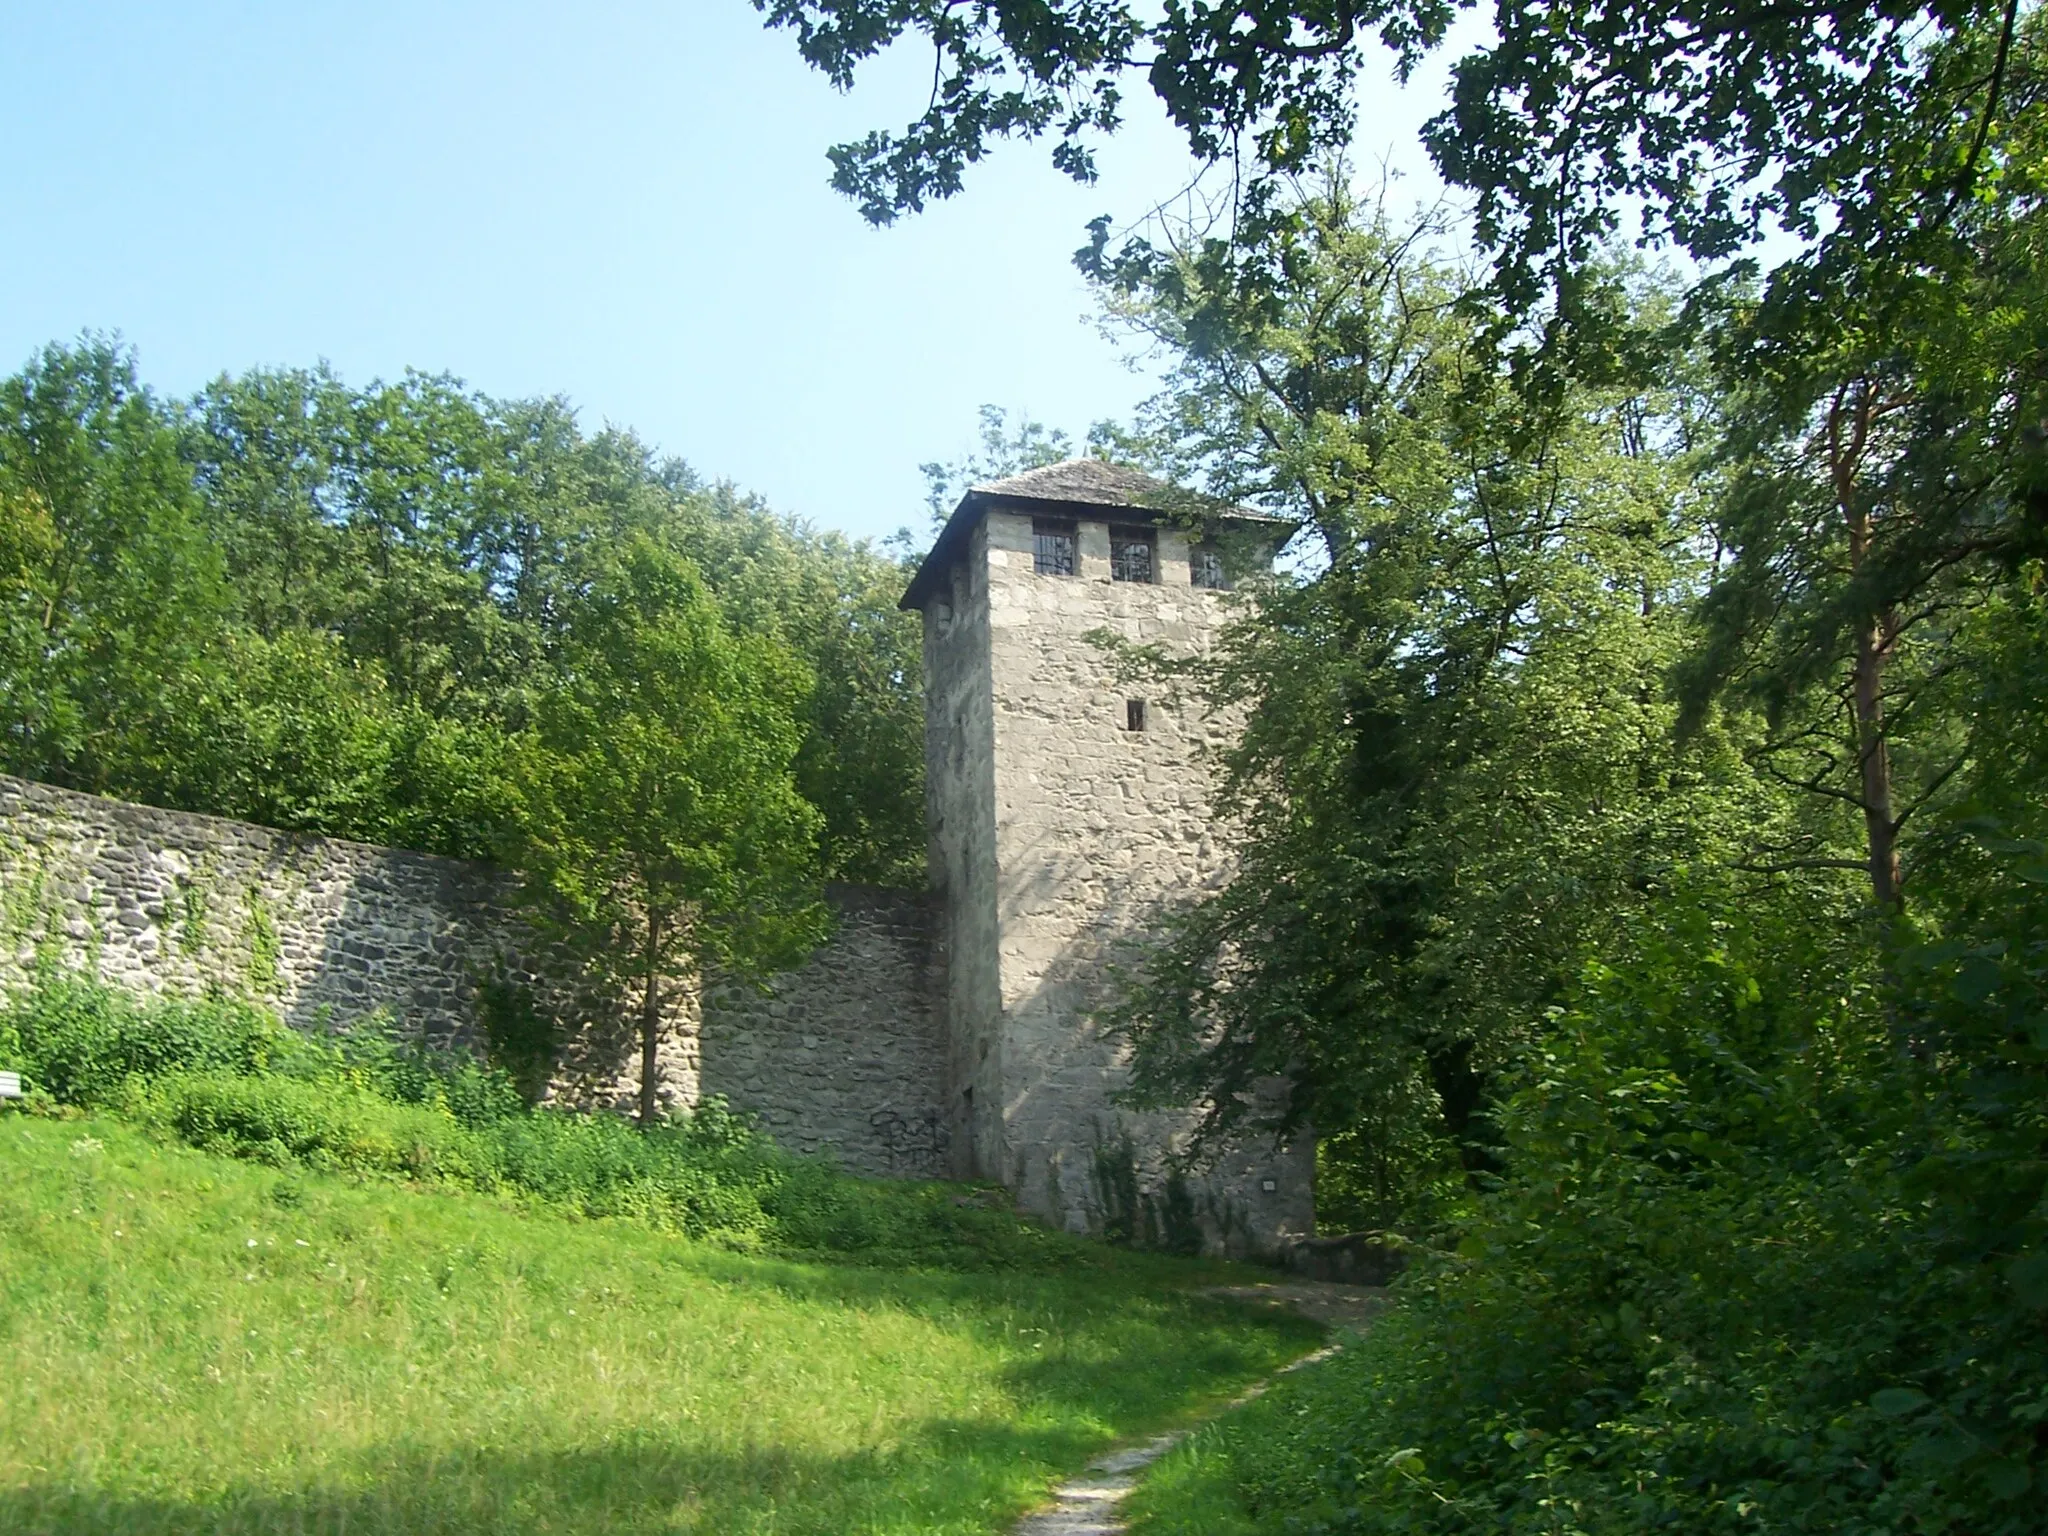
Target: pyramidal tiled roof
<point>1075,483</point>
<point>1093,482</point>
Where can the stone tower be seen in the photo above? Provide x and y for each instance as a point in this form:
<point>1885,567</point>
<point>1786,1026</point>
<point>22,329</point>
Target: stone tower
<point>1066,811</point>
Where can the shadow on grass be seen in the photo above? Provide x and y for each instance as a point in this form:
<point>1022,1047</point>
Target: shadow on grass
<point>1135,1283</point>
<point>1128,1350</point>
<point>957,1477</point>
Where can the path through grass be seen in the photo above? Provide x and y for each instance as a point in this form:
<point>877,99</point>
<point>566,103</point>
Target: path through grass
<point>193,1344</point>
<point>1273,1467</point>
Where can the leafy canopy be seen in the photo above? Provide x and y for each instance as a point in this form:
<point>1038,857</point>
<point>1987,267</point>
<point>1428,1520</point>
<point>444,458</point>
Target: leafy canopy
<point>334,609</point>
<point>1457,764</point>
<point>1711,116</point>
<point>662,820</point>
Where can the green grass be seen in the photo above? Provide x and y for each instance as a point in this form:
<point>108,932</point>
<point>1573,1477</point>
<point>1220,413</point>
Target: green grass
<point>1192,1492</point>
<point>192,1343</point>
<point>231,1078</point>
<point>1275,1467</point>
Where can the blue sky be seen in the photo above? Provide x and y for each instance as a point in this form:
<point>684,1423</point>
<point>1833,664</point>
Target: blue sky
<point>624,204</point>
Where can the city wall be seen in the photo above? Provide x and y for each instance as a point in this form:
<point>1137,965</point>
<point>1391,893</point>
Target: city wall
<point>840,1056</point>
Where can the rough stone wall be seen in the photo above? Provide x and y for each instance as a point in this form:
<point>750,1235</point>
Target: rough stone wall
<point>842,1056</point>
<point>1098,829</point>
<point>960,823</point>
<point>323,930</point>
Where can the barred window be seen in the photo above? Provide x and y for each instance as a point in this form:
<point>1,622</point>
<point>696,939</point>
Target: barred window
<point>1052,547</point>
<point>1130,554</point>
<point>1205,567</point>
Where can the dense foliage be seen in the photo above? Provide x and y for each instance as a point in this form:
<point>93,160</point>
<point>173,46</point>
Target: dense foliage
<point>1640,815</point>
<point>348,610</point>
<point>1752,1266</point>
<point>1709,121</point>
<point>1458,768</point>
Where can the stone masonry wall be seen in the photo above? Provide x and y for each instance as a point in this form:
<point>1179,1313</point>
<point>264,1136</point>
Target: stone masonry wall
<point>1099,830</point>
<point>843,1055</point>
<point>323,930</point>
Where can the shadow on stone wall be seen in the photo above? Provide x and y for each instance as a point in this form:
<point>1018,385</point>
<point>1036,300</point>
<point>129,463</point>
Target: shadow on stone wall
<point>1086,1163</point>
<point>843,1056</point>
<point>398,933</point>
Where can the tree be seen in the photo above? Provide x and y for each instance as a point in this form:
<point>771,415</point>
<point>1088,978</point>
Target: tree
<point>1279,73</point>
<point>113,599</point>
<point>663,829</point>
<point>1886,419</point>
<point>443,539</point>
<point>1457,767</point>
<point>1711,116</point>
<point>832,603</point>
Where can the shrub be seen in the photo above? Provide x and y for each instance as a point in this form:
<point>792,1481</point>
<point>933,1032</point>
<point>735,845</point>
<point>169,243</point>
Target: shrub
<point>80,1040</point>
<point>1766,1256</point>
<point>232,1079</point>
<point>334,1124</point>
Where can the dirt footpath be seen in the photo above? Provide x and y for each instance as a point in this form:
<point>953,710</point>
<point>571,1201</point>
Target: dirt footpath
<point>1087,1505</point>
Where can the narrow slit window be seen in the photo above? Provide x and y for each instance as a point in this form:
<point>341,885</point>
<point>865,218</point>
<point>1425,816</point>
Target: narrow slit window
<point>1130,554</point>
<point>1205,568</point>
<point>1134,714</point>
<point>1052,546</point>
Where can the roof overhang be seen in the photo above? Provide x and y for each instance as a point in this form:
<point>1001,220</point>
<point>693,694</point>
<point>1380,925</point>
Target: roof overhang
<point>1173,508</point>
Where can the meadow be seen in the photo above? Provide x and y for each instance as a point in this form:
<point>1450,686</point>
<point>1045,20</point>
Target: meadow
<point>257,1281</point>
<point>199,1343</point>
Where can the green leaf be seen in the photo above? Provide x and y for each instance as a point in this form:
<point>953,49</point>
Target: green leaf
<point>2007,1479</point>
<point>1897,1402</point>
<point>2028,1276</point>
<point>1977,980</point>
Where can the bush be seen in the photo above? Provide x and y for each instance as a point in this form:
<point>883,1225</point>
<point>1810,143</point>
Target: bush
<point>81,1040</point>
<point>1767,1256</point>
<point>335,1125</point>
<point>233,1079</point>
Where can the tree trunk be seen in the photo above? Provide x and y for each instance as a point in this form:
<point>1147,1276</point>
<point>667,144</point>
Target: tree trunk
<point>1855,411</point>
<point>650,1027</point>
<point>1874,764</point>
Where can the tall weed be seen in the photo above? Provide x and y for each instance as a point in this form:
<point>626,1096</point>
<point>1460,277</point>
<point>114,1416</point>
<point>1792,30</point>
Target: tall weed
<point>233,1079</point>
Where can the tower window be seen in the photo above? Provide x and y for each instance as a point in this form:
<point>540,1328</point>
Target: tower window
<point>1052,547</point>
<point>1205,567</point>
<point>1130,554</point>
<point>1134,714</point>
